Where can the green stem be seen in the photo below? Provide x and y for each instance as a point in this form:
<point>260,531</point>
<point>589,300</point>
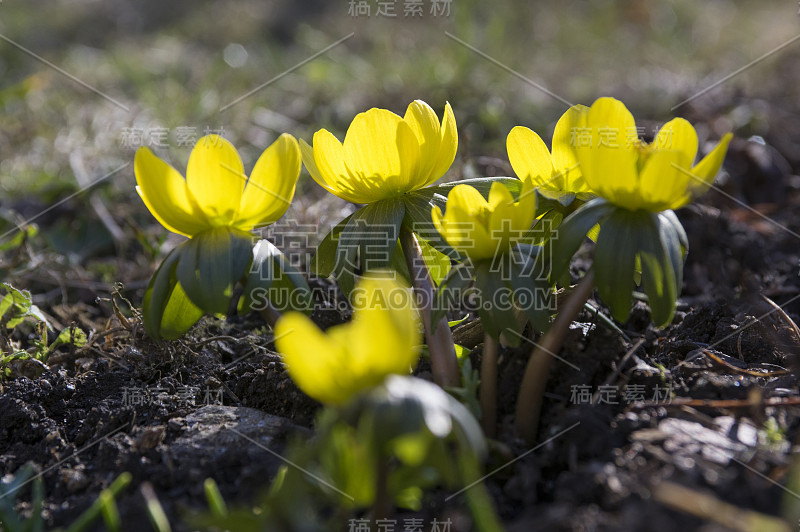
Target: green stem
<point>96,509</point>
<point>444,363</point>
<point>534,382</point>
<point>270,314</point>
<point>382,506</point>
<point>488,390</point>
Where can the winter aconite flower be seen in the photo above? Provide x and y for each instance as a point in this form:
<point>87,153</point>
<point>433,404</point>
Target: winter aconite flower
<point>216,192</point>
<point>557,172</point>
<point>635,175</point>
<point>384,155</point>
<point>383,338</point>
<point>482,229</point>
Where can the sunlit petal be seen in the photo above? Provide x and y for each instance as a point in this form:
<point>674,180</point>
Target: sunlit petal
<point>425,124</point>
<point>215,176</point>
<point>529,156</point>
<point>370,146</point>
<point>165,194</point>
<point>270,189</point>
<point>608,160</point>
<point>448,146</point>
<point>708,168</point>
<point>314,361</point>
<point>565,160</point>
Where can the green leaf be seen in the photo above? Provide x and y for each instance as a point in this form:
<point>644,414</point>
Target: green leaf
<point>167,312</point>
<point>324,262</point>
<point>20,237</point>
<point>675,242</point>
<point>496,307</point>
<point>374,230</point>
<point>69,336</point>
<point>533,294</point>
<point>437,262</point>
<point>100,505</point>
<point>36,522</point>
<point>462,353</point>
<point>211,264</point>
<point>572,232</point>
<point>418,219</point>
<point>108,508</point>
<point>482,184</point>
<point>659,279</point>
<point>8,488</point>
<point>216,503</point>
<point>273,278</point>
<point>453,323</point>
<point>399,263</point>
<point>15,306</point>
<point>545,227</point>
<point>553,199</point>
<point>615,259</point>
<point>451,290</point>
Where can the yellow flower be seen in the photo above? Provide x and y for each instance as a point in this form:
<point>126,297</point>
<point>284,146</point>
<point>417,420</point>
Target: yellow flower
<point>216,191</point>
<point>530,158</point>
<point>383,338</point>
<point>481,229</point>
<point>635,175</point>
<point>384,155</point>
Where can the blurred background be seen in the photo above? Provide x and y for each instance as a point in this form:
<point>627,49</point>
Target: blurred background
<point>83,83</point>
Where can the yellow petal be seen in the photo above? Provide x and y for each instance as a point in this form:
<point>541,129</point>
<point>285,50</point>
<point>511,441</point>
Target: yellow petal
<point>425,124</point>
<point>370,146</point>
<point>664,181</point>
<point>707,169</point>
<point>328,160</point>
<point>270,189</point>
<point>165,194</point>
<point>678,135</point>
<point>529,156</point>
<point>215,176</point>
<point>499,195</point>
<point>467,199</point>
<point>608,160</point>
<point>465,223</point>
<point>314,361</point>
<point>408,151</point>
<point>385,335</point>
<point>565,161</point>
<point>448,145</point>
<point>307,153</point>
<point>524,212</point>
<point>508,221</point>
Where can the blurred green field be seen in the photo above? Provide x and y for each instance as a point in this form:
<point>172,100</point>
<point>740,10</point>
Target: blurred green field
<point>178,65</point>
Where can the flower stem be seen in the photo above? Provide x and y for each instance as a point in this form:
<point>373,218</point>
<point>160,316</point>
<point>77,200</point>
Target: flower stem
<point>534,382</point>
<point>488,390</point>
<point>444,363</point>
<point>382,506</point>
<point>270,314</point>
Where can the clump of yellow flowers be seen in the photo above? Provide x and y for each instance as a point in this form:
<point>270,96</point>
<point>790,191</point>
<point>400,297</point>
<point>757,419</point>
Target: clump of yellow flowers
<point>606,182</point>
